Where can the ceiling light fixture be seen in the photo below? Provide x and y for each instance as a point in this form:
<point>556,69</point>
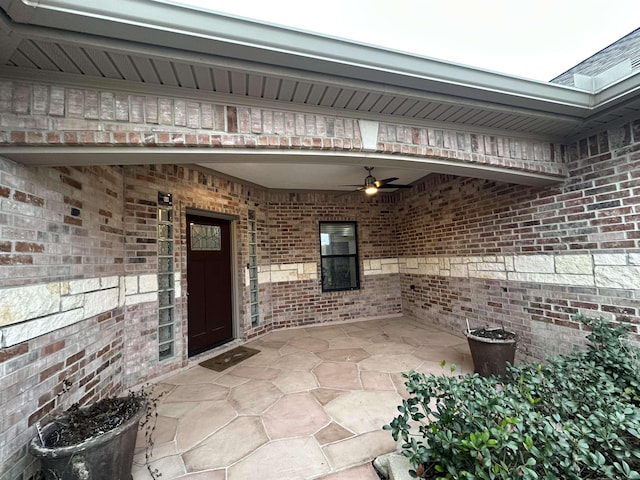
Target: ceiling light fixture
<point>370,187</point>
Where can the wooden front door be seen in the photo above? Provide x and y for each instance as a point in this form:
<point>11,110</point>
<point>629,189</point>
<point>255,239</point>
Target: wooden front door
<point>210,321</point>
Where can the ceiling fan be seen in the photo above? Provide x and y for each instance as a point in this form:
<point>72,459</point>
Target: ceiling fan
<point>371,185</point>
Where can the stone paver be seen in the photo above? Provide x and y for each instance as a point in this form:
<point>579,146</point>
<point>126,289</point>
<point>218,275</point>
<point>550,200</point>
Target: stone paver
<point>209,475</point>
<point>309,344</point>
<point>295,415</point>
<point>255,373</point>
<point>198,392</point>
<point>362,472</point>
<point>353,355</point>
<point>358,450</point>
<point>290,382</point>
<point>391,362</point>
<point>298,361</point>
<point>202,421</point>
<point>325,395</point>
<point>288,459</point>
<point>309,406</point>
<point>377,381</point>
<point>228,445</point>
<point>332,433</point>
<point>338,375</point>
<point>363,412</point>
<point>255,397</point>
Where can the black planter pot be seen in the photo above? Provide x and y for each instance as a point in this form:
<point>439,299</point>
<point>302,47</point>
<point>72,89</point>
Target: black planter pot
<point>106,457</point>
<point>490,356</point>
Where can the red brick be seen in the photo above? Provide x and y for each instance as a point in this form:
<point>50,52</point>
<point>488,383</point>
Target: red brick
<point>18,137</point>
<point>75,357</point>
<point>73,201</point>
<point>53,138</point>
<point>72,220</point>
<point>71,182</point>
<point>41,413</point>
<point>29,247</point>
<point>12,352</point>
<point>120,137</point>
<point>28,198</point>
<point>70,138</point>
<point>50,371</point>
<point>16,260</point>
<point>35,137</point>
<point>53,347</point>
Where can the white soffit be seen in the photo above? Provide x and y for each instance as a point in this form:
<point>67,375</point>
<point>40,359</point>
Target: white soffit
<point>276,169</point>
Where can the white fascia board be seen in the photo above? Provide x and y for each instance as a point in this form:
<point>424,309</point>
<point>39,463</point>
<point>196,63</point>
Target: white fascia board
<point>618,92</point>
<point>211,33</point>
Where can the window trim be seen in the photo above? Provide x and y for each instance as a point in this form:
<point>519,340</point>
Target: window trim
<point>355,255</point>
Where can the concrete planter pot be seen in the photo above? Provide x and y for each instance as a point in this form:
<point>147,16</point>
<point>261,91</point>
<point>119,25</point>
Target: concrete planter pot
<point>491,355</point>
<point>104,457</point>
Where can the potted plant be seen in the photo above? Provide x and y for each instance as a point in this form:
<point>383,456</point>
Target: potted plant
<point>491,349</point>
<point>574,417</point>
<point>91,443</point>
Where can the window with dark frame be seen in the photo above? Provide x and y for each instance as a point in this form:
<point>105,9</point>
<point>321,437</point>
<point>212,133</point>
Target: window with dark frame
<point>339,256</point>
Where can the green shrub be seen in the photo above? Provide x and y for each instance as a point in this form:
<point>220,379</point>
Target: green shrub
<point>575,417</point>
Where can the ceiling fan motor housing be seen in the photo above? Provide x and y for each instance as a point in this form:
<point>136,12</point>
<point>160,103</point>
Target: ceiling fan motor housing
<point>370,181</point>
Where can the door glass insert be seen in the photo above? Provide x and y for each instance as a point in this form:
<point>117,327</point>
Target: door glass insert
<point>206,237</point>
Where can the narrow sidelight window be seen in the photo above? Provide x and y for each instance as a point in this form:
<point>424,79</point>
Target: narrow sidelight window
<point>339,256</point>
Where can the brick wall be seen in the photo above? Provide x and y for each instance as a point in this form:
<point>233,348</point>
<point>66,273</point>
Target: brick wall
<point>288,249</point>
<point>294,236</point>
<point>191,188</point>
<point>529,257</point>
<point>82,240</point>
<point>88,314</point>
<point>61,262</point>
<point>40,114</point>
<point>34,374</point>
<point>59,223</point>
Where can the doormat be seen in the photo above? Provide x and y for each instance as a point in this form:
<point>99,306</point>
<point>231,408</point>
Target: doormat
<point>229,359</point>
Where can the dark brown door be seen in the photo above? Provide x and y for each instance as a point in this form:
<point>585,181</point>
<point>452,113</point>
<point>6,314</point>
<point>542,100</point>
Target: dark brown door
<point>208,283</point>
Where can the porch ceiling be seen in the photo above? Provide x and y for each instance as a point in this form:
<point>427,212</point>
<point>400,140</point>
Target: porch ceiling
<point>285,169</point>
<point>157,47</point>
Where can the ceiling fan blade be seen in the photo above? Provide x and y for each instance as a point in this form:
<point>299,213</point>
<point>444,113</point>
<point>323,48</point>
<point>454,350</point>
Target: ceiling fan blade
<point>370,181</point>
<point>392,185</point>
<point>379,183</point>
<point>347,192</point>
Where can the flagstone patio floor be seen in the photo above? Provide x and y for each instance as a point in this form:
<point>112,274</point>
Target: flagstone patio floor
<point>310,405</point>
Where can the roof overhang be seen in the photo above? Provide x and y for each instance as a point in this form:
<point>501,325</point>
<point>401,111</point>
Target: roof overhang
<point>197,37</point>
<point>156,46</point>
